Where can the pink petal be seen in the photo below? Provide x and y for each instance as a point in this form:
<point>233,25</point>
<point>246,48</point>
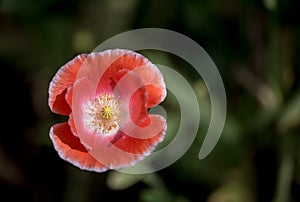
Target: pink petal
<point>123,150</point>
<point>70,149</point>
<point>111,61</point>
<point>82,95</point>
<point>144,145</point>
<point>94,71</point>
<point>69,96</point>
<point>131,92</point>
<point>63,79</point>
<point>154,82</point>
<point>72,125</point>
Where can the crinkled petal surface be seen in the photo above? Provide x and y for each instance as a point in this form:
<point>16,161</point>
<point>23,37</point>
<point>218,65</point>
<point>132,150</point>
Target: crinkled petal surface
<point>118,59</point>
<point>64,78</point>
<point>70,149</point>
<point>124,150</point>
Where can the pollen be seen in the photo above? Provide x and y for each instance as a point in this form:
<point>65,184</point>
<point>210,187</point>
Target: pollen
<point>102,114</point>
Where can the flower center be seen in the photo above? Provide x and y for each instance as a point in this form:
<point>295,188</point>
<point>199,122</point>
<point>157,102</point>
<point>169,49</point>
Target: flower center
<point>107,112</point>
<point>102,114</point>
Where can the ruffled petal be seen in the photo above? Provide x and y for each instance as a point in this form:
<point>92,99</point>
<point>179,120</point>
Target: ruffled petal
<point>69,95</point>
<point>154,82</point>
<point>132,94</point>
<point>70,149</point>
<point>140,144</point>
<point>94,71</point>
<point>112,61</point>
<point>124,151</point>
<point>63,79</point>
<point>81,96</point>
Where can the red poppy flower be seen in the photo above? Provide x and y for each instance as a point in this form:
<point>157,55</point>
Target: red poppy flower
<point>107,96</point>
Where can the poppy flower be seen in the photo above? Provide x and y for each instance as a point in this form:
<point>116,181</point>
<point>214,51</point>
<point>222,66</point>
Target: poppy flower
<point>107,96</point>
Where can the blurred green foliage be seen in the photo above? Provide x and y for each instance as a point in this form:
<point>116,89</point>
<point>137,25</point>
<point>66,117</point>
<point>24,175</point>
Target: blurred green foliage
<point>255,45</point>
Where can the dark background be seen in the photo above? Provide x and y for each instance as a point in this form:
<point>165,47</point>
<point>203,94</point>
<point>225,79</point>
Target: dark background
<point>255,45</point>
